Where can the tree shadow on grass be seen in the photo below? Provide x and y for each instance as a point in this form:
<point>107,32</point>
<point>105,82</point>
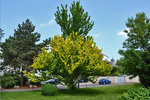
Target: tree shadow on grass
<point>122,89</point>
<point>81,92</point>
<point>98,91</point>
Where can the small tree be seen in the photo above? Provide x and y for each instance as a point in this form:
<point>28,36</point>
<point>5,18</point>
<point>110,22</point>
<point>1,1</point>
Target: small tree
<point>137,55</point>
<point>77,20</point>
<point>19,49</point>
<point>72,59</point>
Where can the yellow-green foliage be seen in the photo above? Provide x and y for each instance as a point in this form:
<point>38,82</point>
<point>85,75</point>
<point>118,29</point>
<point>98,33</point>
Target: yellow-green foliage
<point>72,58</point>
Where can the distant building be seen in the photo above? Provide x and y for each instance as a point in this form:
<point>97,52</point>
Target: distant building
<point>113,63</point>
<point>112,60</point>
<point>105,57</point>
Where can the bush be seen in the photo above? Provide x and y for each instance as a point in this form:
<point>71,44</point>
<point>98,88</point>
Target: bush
<point>137,94</point>
<point>49,89</point>
<point>8,82</point>
<point>15,77</point>
<point>145,80</point>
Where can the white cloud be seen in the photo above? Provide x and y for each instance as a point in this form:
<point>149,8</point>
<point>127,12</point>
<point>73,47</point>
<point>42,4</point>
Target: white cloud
<point>51,22</point>
<point>122,33</point>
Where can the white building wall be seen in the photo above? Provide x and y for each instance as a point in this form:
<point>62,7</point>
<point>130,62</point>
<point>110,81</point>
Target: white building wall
<point>114,79</point>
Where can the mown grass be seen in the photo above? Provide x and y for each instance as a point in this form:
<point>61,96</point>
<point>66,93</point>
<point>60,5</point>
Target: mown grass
<point>95,93</point>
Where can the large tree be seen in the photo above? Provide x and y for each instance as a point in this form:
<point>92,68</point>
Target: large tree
<point>71,60</point>
<point>137,53</point>
<point>18,50</point>
<point>77,20</point>
<point>1,33</point>
<point>119,64</point>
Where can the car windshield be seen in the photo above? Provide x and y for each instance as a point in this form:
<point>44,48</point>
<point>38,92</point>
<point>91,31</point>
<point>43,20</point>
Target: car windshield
<point>51,80</point>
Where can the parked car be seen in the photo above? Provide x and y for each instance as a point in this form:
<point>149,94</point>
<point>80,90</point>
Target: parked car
<point>104,81</point>
<point>53,81</point>
<point>83,80</point>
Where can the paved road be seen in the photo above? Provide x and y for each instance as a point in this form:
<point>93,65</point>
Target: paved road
<point>82,85</point>
<point>86,85</point>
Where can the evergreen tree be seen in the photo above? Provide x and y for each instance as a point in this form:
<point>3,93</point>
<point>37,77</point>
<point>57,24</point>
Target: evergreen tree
<point>19,50</point>
<point>1,33</point>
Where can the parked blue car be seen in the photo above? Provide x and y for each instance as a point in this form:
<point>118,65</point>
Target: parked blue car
<point>104,81</point>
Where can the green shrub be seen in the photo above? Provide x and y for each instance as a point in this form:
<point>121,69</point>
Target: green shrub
<point>16,76</point>
<point>145,79</point>
<point>8,82</point>
<point>13,77</point>
<point>137,94</point>
<point>49,89</point>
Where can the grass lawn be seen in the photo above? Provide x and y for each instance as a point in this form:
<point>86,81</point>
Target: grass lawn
<point>95,93</point>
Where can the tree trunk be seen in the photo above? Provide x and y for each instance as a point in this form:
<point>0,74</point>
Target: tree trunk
<point>21,83</point>
<point>78,85</point>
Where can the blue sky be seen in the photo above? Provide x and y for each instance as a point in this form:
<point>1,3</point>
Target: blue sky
<point>109,17</point>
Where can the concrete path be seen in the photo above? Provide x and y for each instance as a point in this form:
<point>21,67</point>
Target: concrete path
<point>82,85</point>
